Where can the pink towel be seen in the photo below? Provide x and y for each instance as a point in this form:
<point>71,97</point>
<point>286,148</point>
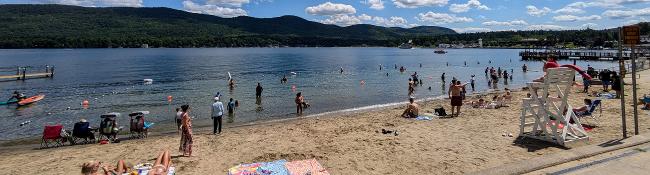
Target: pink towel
<point>303,167</point>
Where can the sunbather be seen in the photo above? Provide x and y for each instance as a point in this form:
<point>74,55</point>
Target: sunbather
<point>162,164</point>
<point>412,110</point>
<point>496,103</point>
<point>92,168</point>
<point>479,104</point>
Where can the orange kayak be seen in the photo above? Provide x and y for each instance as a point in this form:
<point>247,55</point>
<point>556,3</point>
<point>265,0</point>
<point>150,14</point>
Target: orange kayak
<point>31,100</point>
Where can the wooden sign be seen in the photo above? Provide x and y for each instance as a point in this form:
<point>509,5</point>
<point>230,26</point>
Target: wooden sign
<point>631,35</point>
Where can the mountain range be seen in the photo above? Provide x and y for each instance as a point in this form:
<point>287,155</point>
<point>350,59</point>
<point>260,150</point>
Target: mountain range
<point>55,23</point>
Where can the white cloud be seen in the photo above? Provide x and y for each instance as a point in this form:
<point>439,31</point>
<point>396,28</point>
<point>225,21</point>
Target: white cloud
<point>572,18</point>
<point>419,3</point>
<point>374,4</point>
<point>618,14</point>
<point>213,9</point>
<point>393,21</point>
<point>570,10</point>
<point>441,18</point>
<point>631,22</point>
<point>589,25</point>
<point>365,17</point>
<point>459,8</point>
<point>227,3</point>
<point>544,27</point>
<point>534,11</point>
<point>471,30</point>
<point>342,20</point>
<point>95,3</point>
<point>329,9</point>
<point>506,23</point>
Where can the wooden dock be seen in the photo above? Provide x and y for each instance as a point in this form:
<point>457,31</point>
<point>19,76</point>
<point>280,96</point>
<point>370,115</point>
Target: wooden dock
<point>533,54</point>
<point>23,74</point>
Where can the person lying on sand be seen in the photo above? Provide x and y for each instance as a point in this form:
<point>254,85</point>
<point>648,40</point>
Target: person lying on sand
<point>92,168</point>
<point>162,164</point>
<point>479,104</point>
<point>412,109</point>
<point>496,103</point>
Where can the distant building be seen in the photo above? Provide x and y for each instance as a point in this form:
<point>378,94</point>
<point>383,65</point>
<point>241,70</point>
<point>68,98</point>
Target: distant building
<point>144,46</point>
<point>645,38</point>
<point>480,42</point>
<point>530,40</point>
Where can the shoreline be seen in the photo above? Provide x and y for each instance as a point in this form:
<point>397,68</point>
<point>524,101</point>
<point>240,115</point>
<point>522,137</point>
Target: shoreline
<point>32,142</point>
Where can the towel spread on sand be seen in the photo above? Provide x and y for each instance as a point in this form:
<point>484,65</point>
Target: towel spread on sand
<point>423,118</point>
<point>263,168</point>
<point>303,167</point>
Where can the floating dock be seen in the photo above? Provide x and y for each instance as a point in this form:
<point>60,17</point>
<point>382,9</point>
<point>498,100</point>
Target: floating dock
<point>23,74</point>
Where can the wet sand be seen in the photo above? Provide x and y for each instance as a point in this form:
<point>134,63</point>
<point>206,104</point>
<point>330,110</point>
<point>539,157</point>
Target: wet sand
<point>344,144</point>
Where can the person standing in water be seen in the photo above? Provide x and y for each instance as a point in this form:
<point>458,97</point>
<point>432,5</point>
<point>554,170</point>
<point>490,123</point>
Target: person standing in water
<point>258,91</point>
<point>472,81</point>
<point>443,77</point>
<point>231,83</point>
<point>341,70</point>
<point>524,68</point>
<point>217,116</point>
<point>284,79</point>
<point>231,108</point>
<point>299,103</point>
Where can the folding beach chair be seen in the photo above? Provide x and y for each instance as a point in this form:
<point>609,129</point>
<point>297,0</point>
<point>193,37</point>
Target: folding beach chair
<point>52,136</point>
<point>592,108</point>
<point>137,123</point>
<point>82,132</point>
<point>108,127</point>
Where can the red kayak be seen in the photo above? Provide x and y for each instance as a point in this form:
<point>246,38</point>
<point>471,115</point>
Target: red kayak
<point>31,100</point>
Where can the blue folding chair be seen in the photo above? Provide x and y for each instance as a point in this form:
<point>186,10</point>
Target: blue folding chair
<point>592,108</point>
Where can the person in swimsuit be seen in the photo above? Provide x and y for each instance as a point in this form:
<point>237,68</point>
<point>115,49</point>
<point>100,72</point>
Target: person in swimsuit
<point>17,95</point>
<point>412,110</point>
<point>300,101</point>
<point>284,79</point>
<point>455,96</point>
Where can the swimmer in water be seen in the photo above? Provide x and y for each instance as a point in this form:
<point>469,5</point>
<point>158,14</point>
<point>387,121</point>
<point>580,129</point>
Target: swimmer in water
<point>284,79</point>
<point>231,83</point>
<point>341,70</point>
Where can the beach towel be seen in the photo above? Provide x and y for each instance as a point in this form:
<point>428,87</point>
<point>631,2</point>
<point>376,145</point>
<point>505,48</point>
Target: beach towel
<point>148,125</point>
<point>303,167</point>
<point>263,168</point>
<point>423,118</point>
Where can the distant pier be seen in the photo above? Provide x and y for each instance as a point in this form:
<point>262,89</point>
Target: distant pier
<point>22,73</point>
<point>535,54</point>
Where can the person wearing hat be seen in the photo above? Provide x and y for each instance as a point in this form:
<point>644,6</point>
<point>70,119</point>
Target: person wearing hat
<point>217,115</point>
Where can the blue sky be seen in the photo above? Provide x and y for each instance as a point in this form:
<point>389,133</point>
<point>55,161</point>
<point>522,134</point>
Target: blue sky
<point>460,15</point>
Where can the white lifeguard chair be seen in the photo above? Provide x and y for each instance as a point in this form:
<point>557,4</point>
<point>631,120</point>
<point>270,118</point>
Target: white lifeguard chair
<point>539,110</point>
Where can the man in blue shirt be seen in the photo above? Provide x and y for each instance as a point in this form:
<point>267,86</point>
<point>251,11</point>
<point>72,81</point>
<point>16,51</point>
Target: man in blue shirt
<point>217,115</point>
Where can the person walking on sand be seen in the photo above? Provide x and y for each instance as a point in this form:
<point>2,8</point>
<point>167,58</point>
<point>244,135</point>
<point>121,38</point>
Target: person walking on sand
<point>456,98</point>
<point>187,138</point>
<point>258,91</point>
<point>217,116</point>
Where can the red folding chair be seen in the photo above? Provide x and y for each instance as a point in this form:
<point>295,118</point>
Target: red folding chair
<point>52,136</point>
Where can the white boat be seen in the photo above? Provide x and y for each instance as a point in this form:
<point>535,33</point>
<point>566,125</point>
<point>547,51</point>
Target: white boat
<point>440,51</point>
<point>408,45</point>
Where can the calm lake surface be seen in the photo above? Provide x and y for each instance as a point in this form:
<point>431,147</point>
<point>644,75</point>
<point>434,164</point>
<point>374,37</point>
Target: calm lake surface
<point>112,81</point>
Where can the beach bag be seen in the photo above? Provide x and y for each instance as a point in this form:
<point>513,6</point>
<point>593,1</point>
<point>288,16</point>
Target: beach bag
<point>440,111</point>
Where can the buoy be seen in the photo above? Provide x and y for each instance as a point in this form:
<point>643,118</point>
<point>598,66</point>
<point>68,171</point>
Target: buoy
<point>169,98</point>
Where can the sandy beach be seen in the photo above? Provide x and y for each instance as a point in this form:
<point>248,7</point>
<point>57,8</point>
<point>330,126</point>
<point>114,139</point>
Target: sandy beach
<point>345,144</point>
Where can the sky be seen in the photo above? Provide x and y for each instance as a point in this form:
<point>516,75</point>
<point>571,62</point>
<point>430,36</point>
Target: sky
<point>460,15</point>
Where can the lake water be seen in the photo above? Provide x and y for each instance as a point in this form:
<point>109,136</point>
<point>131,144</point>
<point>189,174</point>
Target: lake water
<point>112,81</point>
